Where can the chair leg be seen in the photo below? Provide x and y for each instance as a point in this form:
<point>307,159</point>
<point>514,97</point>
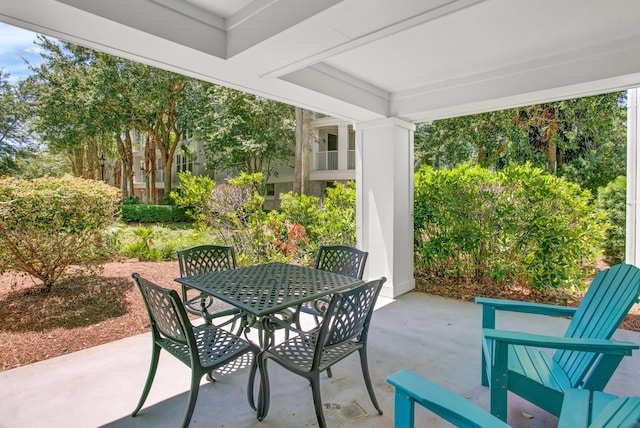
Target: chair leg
<point>155,356</point>
<point>499,380</point>
<point>264,393</point>
<point>329,372</point>
<point>498,400</point>
<point>251,382</point>
<point>484,381</point>
<point>204,311</point>
<point>317,400</point>
<point>193,396</point>
<point>367,378</point>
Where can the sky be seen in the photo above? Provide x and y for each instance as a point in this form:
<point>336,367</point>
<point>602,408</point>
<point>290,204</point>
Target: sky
<point>16,44</point>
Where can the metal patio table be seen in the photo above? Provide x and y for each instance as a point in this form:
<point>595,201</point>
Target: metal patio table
<point>262,291</point>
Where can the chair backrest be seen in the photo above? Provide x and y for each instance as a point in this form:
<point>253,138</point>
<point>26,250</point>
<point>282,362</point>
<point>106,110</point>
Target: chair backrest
<point>206,258</point>
<point>166,312</point>
<point>609,298</point>
<point>349,314</point>
<point>342,260</point>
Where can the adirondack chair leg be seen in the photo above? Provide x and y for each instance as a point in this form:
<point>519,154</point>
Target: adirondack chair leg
<point>404,411</point>
<point>499,381</point>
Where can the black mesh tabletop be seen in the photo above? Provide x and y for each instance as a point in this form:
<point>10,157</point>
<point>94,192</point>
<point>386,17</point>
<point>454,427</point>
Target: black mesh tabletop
<point>265,289</point>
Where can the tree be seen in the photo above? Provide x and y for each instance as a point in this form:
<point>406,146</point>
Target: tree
<point>64,111</point>
<point>13,134</point>
<point>581,139</point>
<point>89,102</point>
<point>245,133</point>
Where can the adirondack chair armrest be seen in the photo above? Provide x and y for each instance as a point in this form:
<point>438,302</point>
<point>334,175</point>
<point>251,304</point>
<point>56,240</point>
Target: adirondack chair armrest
<point>527,307</point>
<point>600,346</point>
<point>412,388</point>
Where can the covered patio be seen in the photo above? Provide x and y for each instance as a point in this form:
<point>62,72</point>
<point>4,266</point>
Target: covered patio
<point>100,386</point>
<point>383,65</point>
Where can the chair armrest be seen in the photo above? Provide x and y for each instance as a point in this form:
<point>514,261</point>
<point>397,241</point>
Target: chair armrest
<point>601,346</point>
<point>489,307</point>
<point>444,403</point>
<point>527,307</point>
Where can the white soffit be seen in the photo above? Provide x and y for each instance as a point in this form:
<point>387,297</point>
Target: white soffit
<point>366,59</point>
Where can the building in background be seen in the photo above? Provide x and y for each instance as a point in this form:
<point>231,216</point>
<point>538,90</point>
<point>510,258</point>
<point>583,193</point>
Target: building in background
<point>332,160</point>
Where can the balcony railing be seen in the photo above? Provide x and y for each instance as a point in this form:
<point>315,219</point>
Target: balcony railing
<point>328,160</point>
<point>140,178</point>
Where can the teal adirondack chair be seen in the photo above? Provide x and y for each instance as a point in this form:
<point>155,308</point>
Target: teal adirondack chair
<point>581,408</point>
<point>585,357</point>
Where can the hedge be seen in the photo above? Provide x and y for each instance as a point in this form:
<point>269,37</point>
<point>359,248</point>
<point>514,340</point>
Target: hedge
<point>145,213</point>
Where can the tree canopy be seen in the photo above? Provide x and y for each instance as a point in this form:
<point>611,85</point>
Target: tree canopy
<point>14,134</point>
<point>86,103</point>
<point>582,139</point>
<point>245,132</point>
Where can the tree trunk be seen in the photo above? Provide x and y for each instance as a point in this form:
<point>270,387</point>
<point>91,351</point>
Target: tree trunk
<point>297,181</point>
<point>129,154</point>
<point>117,174</point>
<point>306,152</point>
<point>301,183</point>
<point>122,152</point>
<point>552,160</point>
<point>147,171</point>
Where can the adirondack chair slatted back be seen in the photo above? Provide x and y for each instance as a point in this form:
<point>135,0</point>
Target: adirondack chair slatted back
<point>604,306</point>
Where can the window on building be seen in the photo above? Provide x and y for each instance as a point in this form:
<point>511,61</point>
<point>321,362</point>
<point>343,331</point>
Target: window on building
<point>270,191</point>
<point>332,142</point>
<point>184,163</point>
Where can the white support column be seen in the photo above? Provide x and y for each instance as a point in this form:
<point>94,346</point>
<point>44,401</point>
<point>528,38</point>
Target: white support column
<point>384,201</point>
<point>343,146</point>
<point>632,247</point>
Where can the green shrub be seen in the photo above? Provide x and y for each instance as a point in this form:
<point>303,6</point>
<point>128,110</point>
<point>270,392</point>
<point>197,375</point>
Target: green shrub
<point>338,216</point>
<point>156,242</point>
<point>130,200</point>
<point>519,224</point>
<point>49,224</point>
<point>293,233</point>
<point>193,196</point>
<point>613,200</point>
<point>146,213</point>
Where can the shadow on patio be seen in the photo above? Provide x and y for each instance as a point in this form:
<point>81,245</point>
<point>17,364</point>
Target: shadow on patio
<point>436,337</point>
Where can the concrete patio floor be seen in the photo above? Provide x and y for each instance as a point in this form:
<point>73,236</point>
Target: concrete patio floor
<point>436,337</point>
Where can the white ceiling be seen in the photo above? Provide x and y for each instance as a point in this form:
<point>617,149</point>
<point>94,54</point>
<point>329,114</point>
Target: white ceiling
<point>366,59</point>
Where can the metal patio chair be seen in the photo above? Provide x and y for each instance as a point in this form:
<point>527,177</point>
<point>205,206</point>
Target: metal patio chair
<point>203,259</point>
<point>340,259</point>
<point>202,348</point>
<point>344,330</point>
